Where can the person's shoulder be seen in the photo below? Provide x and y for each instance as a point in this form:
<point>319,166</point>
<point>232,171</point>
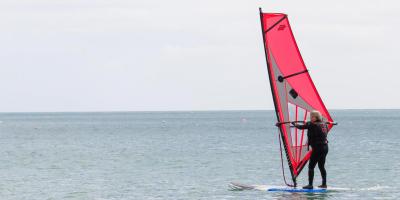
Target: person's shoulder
<point>321,124</point>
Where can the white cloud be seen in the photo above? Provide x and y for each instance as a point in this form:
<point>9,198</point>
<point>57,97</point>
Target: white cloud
<point>188,55</point>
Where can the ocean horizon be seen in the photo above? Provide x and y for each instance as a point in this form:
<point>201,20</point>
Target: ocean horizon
<point>205,110</point>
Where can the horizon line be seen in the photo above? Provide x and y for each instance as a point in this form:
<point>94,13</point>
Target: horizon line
<point>211,110</point>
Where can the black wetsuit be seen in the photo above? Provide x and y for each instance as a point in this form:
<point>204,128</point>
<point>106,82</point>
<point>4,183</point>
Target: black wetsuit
<point>317,139</point>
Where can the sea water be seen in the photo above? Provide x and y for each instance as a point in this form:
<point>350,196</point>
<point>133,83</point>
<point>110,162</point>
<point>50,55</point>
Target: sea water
<point>187,155</point>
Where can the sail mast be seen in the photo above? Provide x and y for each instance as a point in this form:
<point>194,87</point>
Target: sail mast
<point>264,32</point>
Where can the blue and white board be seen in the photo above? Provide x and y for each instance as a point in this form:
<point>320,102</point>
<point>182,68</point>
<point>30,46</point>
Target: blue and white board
<point>315,190</point>
<point>239,186</point>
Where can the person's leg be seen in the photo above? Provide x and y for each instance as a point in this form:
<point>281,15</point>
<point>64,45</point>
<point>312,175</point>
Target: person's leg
<point>321,165</point>
<point>311,166</point>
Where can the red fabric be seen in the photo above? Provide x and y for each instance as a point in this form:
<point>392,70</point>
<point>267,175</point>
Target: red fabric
<point>280,42</point>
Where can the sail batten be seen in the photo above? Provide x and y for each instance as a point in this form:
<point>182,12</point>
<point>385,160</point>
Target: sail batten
<point>292,88</point>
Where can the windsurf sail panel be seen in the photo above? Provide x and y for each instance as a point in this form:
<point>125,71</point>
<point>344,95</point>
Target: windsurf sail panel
<point>293,90</point>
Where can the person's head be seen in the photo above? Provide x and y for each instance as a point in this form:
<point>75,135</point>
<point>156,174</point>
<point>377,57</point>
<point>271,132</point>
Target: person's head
<point>315,116</point>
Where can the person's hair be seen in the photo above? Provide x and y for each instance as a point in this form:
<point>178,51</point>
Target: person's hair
<point>316,114</point>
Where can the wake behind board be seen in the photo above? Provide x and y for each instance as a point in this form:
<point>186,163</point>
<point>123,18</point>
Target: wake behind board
<point>240,187</point>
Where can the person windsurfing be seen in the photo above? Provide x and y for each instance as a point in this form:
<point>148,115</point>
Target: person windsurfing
<point>317,131</point>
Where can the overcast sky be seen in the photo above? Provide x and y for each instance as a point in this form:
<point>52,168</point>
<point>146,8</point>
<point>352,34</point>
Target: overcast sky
<point>135,55</point>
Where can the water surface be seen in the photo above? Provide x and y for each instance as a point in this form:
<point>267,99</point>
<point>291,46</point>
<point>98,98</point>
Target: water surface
<point>186,155</point>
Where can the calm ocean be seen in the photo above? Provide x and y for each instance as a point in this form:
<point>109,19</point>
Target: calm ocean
<point>186,155</point>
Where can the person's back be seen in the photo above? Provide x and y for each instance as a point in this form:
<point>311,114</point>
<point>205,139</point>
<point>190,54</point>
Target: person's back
<point>317,133</point>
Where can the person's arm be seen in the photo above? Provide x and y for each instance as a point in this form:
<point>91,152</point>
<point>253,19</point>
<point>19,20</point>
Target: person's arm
<point>304,126</point>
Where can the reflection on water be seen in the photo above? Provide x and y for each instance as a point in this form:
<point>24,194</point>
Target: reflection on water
<point>301,196</point>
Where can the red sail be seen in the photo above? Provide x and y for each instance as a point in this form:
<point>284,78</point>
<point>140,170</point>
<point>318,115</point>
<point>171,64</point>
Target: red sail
<point>294,93</point>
